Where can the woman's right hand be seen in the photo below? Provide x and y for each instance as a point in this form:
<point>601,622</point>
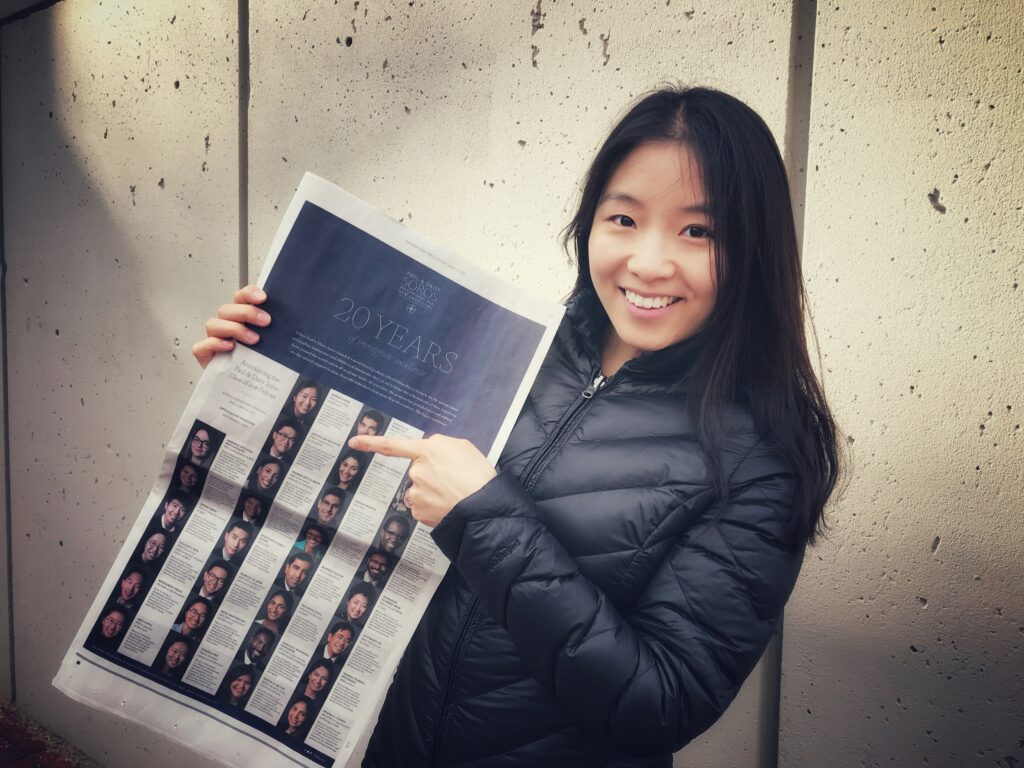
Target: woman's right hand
<point>230,325</point>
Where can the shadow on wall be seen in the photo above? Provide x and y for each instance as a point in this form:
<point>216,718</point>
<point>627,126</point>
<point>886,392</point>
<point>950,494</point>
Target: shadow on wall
<point>94,385</point>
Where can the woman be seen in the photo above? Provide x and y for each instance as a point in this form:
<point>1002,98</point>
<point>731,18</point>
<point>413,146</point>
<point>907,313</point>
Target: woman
<point>237,685</point>
<point>276,611</point>
<point>173,657</point>
<point>188,478</point>
<point>293,720</point>
<point>618,578</point>
<point>109,630</point>
<point>153,548</point>
<point>313,541</point>
<point>193,619</point>
<point>318,681</point>
<point>358,603</point>
<point>265,476</point>
<point>302,406</point>
<point>350,467</point>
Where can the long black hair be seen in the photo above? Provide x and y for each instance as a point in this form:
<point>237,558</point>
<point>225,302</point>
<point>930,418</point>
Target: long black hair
<point>754,348</point>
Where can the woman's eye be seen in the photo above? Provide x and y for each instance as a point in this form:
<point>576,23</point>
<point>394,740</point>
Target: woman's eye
<point>623,220</point>
<point>695,230</point>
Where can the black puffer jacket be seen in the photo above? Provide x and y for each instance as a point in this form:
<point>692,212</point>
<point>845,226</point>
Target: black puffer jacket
<point>598,612</point>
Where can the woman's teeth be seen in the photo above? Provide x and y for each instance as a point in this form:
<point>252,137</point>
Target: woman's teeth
<point>649,302</point>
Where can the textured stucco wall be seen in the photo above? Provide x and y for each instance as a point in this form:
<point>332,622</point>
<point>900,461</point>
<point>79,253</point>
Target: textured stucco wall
<point>120,229</point>
<point>903,645</point>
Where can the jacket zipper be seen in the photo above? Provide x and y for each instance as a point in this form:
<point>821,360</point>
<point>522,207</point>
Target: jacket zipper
<point>527,478</point>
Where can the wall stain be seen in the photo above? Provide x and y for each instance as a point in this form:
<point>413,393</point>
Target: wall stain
<point>534,51</point>
<point>933,198</point>
<point>604,47</point>
<point>583,25</point>
<point>536,19</point>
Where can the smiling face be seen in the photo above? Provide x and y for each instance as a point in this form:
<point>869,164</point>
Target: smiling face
<point>313,540</point>
<point>284,440</point>
<point>651,252</point>
<point>176,654</point>
<point>297,714</point>
<point>377,565</point>
<point>252,508</point>
<point>213,580</point>
<point>130,586</point>
<point>154,547</point>
<point>195,616</point>
<point>318,679</point>
<point>267,475</point>
<point>188,477</point>
<point>276,608</point>
<point>393,536</point>
<point>348,470</point>
<point>174,510</point>
<point>338,641</point>
<point>259,645</point>
<point>305,401</point>
<point>112,624</point>
<point>327,508</point>
<point>356,607</point>
<point>241,685</point>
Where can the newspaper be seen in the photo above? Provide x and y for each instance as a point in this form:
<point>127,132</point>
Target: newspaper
<point>265,595</point>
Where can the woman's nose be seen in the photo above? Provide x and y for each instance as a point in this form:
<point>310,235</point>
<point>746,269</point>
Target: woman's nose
<point>651,258</point>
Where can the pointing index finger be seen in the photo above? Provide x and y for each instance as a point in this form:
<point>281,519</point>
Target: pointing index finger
<point>387,446</point>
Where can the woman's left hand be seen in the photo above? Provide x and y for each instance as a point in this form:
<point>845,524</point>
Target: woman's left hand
<point>444,471</point>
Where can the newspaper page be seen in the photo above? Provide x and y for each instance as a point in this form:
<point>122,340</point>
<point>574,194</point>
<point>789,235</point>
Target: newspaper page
<point>264,596</point>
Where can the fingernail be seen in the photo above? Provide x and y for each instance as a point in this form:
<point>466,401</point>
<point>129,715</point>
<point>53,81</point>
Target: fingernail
<point>251,336</point>
<point>259,295</point>
<point>262,317</point>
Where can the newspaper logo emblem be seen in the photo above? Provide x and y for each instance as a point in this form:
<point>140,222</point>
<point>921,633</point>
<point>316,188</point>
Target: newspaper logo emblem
<point>419,293</point>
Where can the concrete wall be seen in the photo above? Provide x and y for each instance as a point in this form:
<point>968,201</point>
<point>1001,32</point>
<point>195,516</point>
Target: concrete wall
<point>120,225</point>
<point>903,644</point>
<point>473,122</point>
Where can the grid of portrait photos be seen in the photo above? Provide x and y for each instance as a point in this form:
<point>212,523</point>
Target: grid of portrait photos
<point>355,604</point>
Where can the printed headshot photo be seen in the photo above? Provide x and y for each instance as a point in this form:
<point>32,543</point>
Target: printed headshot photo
<point>394,533</point>
<point>202,445</point>
<point>214,580</point>
<point>376,568</point>
<point>329,507</point>
<point>266,476</point>
<point>193,619</point>
<point>276,610</point>
<point>153,548</point>
<point>237,684</point>
<point>173,511</point>
<point>257,647</point>
<point>358,602</point>
<point>315,682</point>
<point>337,643</point>
<point>132,587</point>
<point>348,470</point>
<point>188,477</point>
<point>370,423</point>
<point>234,541</point>
<point>110,628</point>
<point>173,657</point>
<point>252,508</point>
<point>295,573</point>
<point>400,503</point>
<point>297,718</point>
<point>303,403</point>
<point>284,440</point>
<point>313,540</point>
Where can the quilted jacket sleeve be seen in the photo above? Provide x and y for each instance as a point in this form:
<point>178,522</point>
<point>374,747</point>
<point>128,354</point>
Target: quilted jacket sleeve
<point>649,681</point>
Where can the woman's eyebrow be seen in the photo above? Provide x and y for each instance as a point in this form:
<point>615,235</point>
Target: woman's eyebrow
<point>627,199</point>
